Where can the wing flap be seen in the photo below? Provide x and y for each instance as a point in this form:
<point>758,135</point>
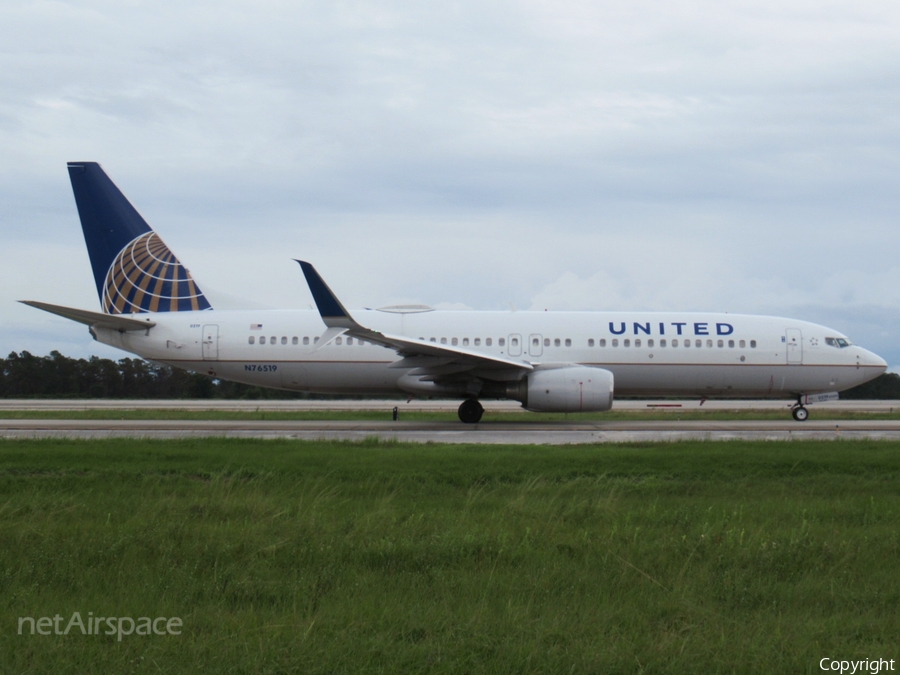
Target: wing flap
<point>410,348</point>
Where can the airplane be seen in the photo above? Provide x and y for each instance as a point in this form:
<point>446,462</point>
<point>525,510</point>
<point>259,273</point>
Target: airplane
<point>547,361</point>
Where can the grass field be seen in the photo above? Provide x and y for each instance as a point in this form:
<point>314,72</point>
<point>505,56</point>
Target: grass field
<point>286,557</point>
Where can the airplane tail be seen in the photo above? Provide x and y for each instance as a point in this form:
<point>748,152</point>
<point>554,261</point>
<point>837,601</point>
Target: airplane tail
<point>133,269</point>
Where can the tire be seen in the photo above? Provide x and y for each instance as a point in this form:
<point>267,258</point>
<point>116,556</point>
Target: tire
<point>470,411</point>
<point>800,413</point>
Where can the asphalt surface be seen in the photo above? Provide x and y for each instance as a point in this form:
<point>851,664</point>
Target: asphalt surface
<point>418,405</point>
<point>530,430</point>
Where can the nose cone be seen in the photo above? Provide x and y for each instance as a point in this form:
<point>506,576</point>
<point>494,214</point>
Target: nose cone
<point>872,360</point>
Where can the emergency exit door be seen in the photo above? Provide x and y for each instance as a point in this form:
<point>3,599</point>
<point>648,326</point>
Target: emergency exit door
<point>515,345</point>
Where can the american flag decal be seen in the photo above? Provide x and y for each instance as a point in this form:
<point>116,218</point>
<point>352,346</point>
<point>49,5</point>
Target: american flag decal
<point>255,326</point>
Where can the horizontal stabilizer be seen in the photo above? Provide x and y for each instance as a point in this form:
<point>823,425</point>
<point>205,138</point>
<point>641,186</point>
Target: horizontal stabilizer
<point>111,321</point>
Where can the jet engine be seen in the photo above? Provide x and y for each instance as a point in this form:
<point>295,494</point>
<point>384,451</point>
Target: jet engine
<point>564,389</point>
<point>569,389</point>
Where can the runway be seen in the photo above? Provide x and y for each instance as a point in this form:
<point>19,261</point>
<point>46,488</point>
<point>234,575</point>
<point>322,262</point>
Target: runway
<point>529,432</point>
<point>532,429</point>
<point>417,405</point>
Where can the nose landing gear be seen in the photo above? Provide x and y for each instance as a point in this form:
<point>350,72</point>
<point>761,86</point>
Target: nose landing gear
<point>470,411</point>
<point>799,413</point>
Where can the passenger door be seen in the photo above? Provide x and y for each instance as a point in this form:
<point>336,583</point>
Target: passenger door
<point>210,342</point>
<point>794,346</point>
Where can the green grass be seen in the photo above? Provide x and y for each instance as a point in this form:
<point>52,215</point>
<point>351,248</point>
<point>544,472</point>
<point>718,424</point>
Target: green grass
<point>489,416</point>
<point>285,557</point>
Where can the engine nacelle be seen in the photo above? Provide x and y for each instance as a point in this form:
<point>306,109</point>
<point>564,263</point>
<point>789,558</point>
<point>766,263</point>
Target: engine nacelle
<point>569,389</point>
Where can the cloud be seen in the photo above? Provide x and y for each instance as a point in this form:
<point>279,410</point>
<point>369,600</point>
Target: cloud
<point>726,156</point>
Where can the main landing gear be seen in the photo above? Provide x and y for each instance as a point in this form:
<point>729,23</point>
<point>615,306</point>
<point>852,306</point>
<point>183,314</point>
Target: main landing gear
<point>800,413</point>
<point>470,411</point>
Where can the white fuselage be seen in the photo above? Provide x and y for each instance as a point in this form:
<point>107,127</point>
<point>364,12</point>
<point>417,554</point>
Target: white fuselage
<point>679,354</point>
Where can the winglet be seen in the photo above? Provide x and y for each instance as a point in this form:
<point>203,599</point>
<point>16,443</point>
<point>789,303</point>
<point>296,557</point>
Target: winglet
<point>333,313</point>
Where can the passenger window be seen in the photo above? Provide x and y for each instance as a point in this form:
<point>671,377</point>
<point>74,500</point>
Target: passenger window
<point>731,344</point>
<point>709,343</point>
<point>454,342</point>
<point>662,343</point>
<point>626,343</point>
<point>315,340</point>
<point>433,340</point>
<point>602,342</point>
<point>306,339</point>
<point>752,344</point>
<point>615,343</point>
<point>477,341</point>
<point>743,344</point>
<point>650,343</point>
<point>443,341</point>
<point>501,342</point>
<point>262,339</point>
<point>637,342</point>
<point>687,343</point>
<point>546,342</point>
<point>698,343</point>
<point>514,342</point>
<point>339,341</point>
<point>721,343</point>
<point>284,339</point>
<point>568,342</point>
<point>465,342</point>
<point>590,342</point>
<point>556,342</point>
<point>674,343</point>
<point>252,339</point>
<point>487,342</point>
<point>294,340</point>
<point>272,340</point>
<point>349,340</point>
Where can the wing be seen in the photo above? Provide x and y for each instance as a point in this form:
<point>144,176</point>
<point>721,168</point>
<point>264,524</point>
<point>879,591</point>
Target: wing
<point>428,361</point>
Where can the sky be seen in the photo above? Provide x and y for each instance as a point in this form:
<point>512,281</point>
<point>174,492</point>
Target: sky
<point>640,155</point>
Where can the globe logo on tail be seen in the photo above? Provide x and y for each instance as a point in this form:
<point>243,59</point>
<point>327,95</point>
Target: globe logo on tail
<point>147,277</point>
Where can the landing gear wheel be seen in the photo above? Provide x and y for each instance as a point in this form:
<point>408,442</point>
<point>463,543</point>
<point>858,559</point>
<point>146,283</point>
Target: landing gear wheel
<point>800,413</point>
<point>470,411</point>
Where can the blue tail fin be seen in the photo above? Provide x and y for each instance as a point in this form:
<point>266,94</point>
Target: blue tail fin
<point>133,269</point>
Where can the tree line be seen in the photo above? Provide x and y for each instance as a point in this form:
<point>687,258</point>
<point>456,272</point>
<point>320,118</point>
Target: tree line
<point>24,375</point>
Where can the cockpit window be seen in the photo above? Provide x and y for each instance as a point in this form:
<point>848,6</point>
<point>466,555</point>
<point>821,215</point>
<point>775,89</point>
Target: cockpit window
<point>840,343</point>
